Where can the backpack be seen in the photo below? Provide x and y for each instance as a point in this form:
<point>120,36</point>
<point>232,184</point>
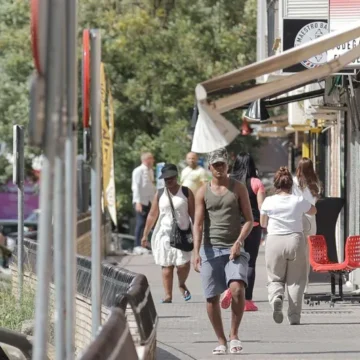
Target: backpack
<point>185,191</point>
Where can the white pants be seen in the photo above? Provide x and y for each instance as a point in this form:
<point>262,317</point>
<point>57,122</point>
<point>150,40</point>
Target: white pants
<point>285,257</point>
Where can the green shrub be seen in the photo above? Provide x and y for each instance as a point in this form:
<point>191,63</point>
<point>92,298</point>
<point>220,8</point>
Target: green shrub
<point>12,315</point>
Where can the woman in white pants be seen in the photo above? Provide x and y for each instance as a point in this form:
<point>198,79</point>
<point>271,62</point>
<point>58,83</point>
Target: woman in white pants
<point>306,184</point>
<point>285,249</point>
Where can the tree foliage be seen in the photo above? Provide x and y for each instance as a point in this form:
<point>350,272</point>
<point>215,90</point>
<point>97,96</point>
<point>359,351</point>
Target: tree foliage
<point>155,52</point>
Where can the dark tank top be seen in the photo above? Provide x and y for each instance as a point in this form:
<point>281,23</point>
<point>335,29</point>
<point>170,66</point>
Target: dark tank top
<point>222,223</point>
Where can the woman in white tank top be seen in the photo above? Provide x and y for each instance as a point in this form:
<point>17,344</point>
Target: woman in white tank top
<point>160,213</point>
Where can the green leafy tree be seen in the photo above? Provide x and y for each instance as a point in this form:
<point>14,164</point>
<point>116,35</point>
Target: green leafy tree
<point>155,52</point>
<point>15,68</point>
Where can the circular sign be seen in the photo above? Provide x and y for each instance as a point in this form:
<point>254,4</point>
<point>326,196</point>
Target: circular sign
<point>38,28</point>
<point>308,33</point>
<point>86,78</point>
<point>34,34</point>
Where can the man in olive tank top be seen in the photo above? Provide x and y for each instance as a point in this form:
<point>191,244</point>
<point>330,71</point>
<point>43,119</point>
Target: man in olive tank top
<point>219,253</point>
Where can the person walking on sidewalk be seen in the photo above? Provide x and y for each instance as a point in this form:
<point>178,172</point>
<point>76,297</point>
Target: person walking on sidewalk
<point>244,170</point>
<point>143,189</point>
<point>167,257</point>
<point>222,260</point>
<point>307,184</point>
<point>285,249</point>
<point>193,176</point>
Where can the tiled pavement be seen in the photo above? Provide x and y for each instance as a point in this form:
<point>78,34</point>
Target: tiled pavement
<point>185,333</point>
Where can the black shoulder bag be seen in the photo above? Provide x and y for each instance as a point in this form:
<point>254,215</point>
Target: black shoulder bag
<point>179,239</point>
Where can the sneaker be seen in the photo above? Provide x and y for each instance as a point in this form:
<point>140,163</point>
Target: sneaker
<point>226,299</point>
<point>250,306</point>
<point>278,315</point>
<point>294,319</point>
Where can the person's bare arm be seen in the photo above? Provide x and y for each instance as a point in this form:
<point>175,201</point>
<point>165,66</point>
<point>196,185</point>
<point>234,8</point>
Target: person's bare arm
<point>312,210</point>
<point>191,205</point>
<point>260,197</point>
<point>264,220</point>
<point>245,207</point>
<point>151,219</point>
<point>198,225</point>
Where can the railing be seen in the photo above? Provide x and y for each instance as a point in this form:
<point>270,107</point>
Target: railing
<point>114,341</point>
<point>128,293</point>
<point>128,296</point>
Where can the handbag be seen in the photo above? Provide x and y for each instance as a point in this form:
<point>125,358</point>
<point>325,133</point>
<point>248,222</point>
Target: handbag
<point>179,239</point>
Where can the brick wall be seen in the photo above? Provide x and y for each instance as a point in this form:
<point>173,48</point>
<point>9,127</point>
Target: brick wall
<point>83,242</point>
<point>83,327</point>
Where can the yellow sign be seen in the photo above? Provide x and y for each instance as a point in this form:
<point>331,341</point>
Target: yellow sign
<point>107,135</point>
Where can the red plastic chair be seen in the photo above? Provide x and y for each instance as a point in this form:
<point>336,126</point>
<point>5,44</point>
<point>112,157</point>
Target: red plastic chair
<point>319,258</point>
<point>352,252</point>
<point>320,263</point>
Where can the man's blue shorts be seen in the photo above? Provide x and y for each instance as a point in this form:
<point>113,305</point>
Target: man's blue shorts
<point>217,270</point>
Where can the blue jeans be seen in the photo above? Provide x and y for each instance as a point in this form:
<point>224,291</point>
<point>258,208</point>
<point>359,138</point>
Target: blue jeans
<point>140,223</point>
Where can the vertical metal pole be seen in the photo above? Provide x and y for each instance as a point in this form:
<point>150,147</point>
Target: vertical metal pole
<point>21,212</point>
<point>95,99</point>
<point>70,182</point>
<point>60,262</point>
<point>59,253</point>
<point>52,116</point>
<point>260,33</point>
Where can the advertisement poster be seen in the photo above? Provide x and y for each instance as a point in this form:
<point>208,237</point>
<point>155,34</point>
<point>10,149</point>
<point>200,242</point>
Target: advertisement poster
<point>343,13</point>
<point>299,32</point>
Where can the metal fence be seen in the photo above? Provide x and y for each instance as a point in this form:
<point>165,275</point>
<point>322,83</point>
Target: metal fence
<point>125,294</point>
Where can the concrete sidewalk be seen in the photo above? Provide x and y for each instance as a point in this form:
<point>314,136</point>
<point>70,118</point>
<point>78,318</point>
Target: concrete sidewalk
<point>185,332</point>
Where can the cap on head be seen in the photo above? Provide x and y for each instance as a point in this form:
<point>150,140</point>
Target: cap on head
<point>168,171</point>
<point>219,155</point>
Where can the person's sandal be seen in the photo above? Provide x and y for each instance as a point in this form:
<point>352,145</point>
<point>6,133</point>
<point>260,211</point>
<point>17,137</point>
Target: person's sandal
<point>187,295</point>
<point>166,301</point>
<point>220,350</point>
<point>235,347</point>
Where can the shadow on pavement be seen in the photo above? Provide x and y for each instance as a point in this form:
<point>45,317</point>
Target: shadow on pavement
<point>319,278</point>
<point>332,324</point>
<point>173,317</point>
<point>162,354</point>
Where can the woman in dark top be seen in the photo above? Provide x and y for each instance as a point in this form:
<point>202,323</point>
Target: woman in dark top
<point>244,170</point>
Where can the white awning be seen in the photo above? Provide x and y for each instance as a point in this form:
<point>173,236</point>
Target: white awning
<point>214,109</point>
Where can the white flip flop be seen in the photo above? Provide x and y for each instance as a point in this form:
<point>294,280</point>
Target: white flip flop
<point>235,347</point>
<point>220,350</point>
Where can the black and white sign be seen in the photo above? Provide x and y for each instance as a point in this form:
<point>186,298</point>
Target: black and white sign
<point>298,32</point>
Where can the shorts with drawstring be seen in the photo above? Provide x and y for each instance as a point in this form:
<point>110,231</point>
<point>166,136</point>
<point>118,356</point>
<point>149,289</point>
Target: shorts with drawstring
<point>218,271</point>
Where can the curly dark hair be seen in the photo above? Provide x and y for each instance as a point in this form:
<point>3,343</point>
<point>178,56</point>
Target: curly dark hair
<point>283,180</point>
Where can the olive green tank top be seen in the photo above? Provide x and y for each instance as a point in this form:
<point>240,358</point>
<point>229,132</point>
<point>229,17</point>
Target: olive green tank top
<point>222,223</point>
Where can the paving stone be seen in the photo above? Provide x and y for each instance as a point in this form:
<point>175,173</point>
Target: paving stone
<point>185,333</point>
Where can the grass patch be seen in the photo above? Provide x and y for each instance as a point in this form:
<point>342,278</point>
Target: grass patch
<point>11,313</point>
